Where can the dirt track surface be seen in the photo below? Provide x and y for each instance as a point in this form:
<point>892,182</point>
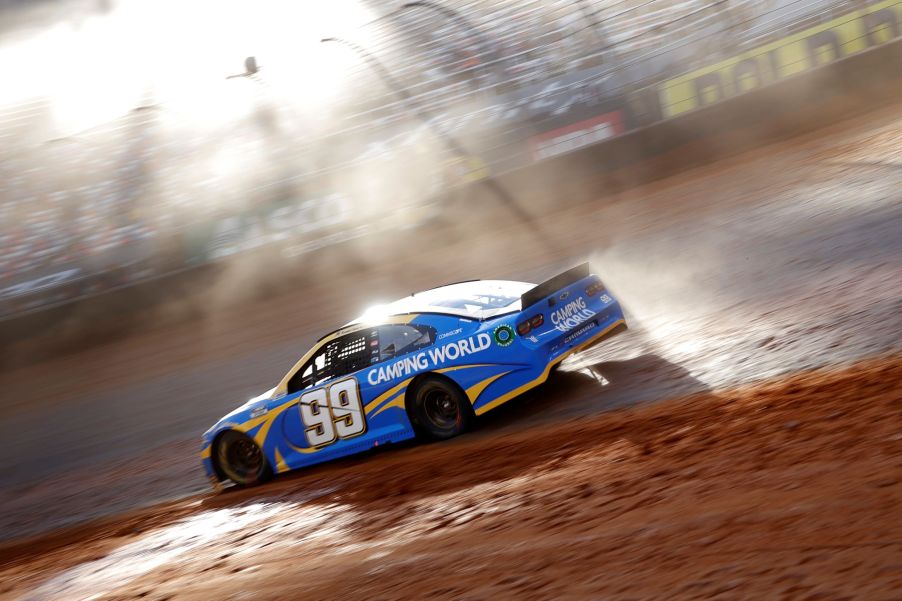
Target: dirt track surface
<point>774,262</point>
<point>787,489</point>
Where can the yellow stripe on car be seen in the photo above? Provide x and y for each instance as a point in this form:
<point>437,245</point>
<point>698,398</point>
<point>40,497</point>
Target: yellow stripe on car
<point>398,402</point>
<point>281,466</point>
<point>474,391</point>
<point>457,367</point>
<point>385,396</point>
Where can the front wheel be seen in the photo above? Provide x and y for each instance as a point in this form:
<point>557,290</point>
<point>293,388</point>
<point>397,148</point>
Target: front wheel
<point>439,409</point>
<point>241,460</point>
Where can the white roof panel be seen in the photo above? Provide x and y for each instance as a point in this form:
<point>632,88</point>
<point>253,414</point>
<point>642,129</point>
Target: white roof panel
<point>480,299</point>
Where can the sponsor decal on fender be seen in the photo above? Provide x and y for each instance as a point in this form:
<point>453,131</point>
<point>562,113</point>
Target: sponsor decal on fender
<point>504,335</point>
<point>571,315</point>
<point>429,359</point>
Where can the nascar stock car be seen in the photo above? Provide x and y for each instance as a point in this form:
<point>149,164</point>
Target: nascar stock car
<point>425,366</point>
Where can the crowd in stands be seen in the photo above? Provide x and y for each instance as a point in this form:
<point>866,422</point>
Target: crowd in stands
<point>104,200</point>
<point>93,202</point>
<point>502,45</point>
<point>54,213</point>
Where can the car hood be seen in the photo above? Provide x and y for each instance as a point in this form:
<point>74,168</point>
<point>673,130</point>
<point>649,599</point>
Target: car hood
<point>249,405</point>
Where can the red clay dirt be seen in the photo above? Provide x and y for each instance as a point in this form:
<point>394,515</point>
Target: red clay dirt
<point>787,489</point>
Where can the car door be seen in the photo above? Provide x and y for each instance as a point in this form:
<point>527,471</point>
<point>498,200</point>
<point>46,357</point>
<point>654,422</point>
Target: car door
<point>341,408</point>
<point>330,398</point>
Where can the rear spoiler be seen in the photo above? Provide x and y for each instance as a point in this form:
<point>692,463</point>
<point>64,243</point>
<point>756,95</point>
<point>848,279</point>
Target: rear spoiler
<point>549,287</point>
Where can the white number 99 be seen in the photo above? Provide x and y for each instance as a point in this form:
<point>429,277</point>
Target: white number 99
<point>332,413</point>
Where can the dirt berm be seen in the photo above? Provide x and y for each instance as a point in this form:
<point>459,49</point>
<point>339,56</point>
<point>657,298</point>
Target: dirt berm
<point>787,489</point>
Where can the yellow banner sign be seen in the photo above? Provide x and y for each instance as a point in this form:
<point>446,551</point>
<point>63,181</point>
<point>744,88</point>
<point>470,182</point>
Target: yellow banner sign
<point>819,45</point>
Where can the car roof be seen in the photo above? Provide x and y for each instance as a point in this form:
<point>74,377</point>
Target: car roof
<point>474,299</point>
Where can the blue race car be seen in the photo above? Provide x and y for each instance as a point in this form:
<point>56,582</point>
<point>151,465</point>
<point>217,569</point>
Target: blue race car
<point>425,366</point>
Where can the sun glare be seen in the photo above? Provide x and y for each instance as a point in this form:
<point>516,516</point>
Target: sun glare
<point>177,55</point>
<point>374,314</point>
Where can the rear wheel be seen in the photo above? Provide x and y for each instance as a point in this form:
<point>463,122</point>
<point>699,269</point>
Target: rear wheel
<point>241,460</point>
<point>439,408</point>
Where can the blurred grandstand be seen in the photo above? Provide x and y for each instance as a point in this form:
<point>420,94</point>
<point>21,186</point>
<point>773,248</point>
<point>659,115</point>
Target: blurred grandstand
<point>143,187</point>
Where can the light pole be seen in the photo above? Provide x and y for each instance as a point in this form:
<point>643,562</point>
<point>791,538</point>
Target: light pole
<point>446,139</point>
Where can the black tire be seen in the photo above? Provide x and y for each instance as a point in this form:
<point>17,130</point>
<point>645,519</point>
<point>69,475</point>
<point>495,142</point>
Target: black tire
<point>241,460</point>
<point>438,408</point>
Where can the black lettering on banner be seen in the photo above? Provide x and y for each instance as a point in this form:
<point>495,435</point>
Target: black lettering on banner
<point>706,82</point>
<point>818,41</point>
<point>876,21</point>
<point>646,105</point>
<point>773,59</point>
<point>747,75</point>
